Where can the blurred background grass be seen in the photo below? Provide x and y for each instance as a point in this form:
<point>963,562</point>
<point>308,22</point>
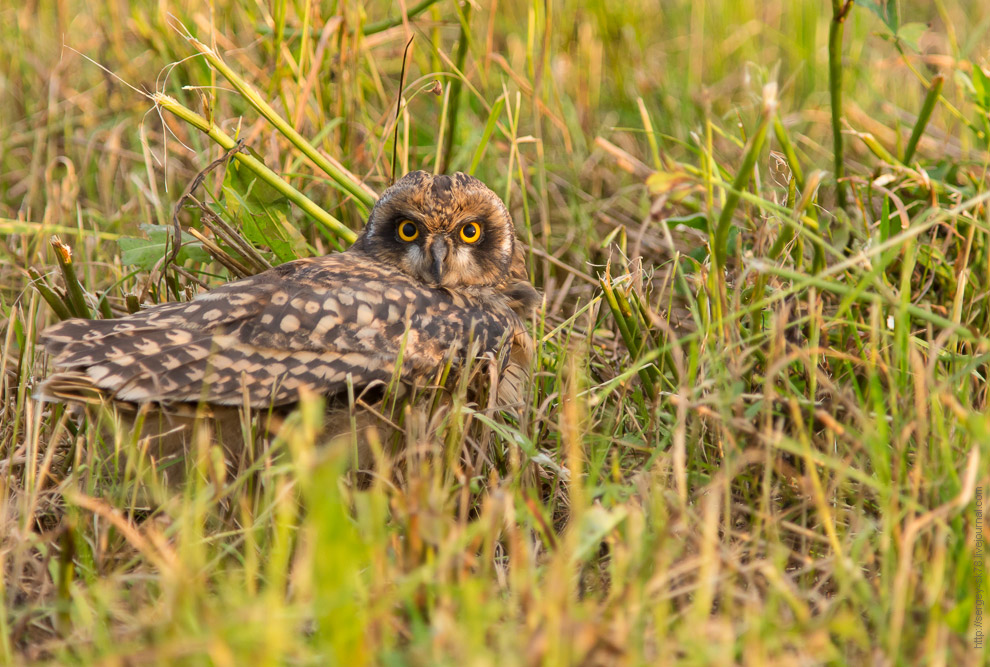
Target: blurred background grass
<point>783,480</point>
<point>587,65</point>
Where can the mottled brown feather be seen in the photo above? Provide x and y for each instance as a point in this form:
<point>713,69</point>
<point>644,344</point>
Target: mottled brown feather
<point>318,324</point>
<point>272,334</point>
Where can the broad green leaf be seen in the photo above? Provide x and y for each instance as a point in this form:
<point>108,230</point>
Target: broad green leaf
<point>910,33</point>
<point>697,221</point>
<point>264,225</point>
<point>145,253</point>
<point>981,87</point>
<point>262,214</point>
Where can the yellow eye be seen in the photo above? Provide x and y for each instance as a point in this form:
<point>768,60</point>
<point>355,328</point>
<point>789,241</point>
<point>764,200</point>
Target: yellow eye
<point>408,231</point>
<point>471,232</point>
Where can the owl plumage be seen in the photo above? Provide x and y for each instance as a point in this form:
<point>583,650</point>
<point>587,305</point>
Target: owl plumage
<point>435,276</point>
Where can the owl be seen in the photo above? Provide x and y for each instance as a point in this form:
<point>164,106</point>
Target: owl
<point>436,277</point>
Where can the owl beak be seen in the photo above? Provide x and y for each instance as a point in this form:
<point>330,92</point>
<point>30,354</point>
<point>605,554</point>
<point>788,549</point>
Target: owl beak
<point>438,249</point>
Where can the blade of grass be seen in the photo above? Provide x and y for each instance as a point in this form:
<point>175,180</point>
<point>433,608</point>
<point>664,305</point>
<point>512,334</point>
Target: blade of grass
<point>8,226</point>
<point>788,148</point>
<point>651,136</point>
<point>927,107</point>
<point>630,334</point>
<point>385,24</point>
<point>486,135</point>
<point>875,147</point>
<point>455,86</point>
<point>783,238</point>
<point>721,238</point>
<point>836,27</point>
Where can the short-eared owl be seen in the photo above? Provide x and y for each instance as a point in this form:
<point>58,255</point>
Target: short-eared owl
<point>436,273</point>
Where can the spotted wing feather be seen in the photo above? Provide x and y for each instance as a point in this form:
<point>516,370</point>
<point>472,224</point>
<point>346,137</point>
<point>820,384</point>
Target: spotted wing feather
<point>311,323</point>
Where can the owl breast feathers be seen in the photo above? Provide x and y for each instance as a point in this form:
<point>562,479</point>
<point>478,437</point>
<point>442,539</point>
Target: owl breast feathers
<point>435,275</point>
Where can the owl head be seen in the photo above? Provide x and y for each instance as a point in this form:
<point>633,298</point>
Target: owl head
<point>447,231</point>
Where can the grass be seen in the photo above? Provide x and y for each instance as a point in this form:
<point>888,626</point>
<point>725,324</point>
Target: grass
<point>758,430</point>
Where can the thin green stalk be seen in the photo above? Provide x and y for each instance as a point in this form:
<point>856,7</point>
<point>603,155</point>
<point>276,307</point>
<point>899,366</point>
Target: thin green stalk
<point>639,326</point>
<point>385,24</point>
<point>721,240</point>
<point>667,358</point>
<point>332,224</point>
<point>651,137</point>
<point>798,176</point>
<point>455,89</point>
<point>876,147</point>
<point>956,113</point>
<point>104,307</point>
<point>934,91</point>
<point>787,232</point>
<point>66,574</point>
<point>343,180</point>
<point>632,338</point>
<point>486,135</point>
<point>785,236</point>
<point>367,29</point>
<point>279,11</point>
<point>9,226</point>
<point>788,149</point>
<point>835,29</point>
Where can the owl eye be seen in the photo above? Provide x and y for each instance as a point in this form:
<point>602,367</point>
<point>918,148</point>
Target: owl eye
<point>471,232</point>
<point>408,231</point>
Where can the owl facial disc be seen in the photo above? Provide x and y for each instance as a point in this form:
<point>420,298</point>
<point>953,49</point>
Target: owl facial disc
<point>446,231</point>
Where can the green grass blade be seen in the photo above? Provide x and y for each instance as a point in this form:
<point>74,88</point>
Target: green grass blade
<point>721,238</point>
<point>927,107</point>
<point>486,134</point>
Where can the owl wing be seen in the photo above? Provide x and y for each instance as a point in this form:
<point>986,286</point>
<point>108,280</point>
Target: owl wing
<point>310,324</point>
